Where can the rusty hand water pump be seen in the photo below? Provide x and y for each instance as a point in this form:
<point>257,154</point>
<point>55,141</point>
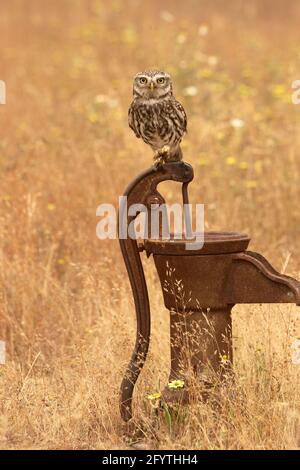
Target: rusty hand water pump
<point>219,275</point>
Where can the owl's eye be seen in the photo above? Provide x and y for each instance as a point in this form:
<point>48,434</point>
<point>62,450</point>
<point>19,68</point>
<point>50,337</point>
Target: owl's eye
<point>161,81</point>
<point>143,80</point>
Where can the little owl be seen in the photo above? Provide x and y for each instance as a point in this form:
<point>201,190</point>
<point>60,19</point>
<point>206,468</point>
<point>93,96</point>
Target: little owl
<point>156,116</point>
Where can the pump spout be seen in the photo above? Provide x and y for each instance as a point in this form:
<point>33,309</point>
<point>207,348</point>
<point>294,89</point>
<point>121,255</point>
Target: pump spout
<point>253,280</point>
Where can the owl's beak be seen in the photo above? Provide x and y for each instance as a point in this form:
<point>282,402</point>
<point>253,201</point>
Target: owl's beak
<point>151,86</point>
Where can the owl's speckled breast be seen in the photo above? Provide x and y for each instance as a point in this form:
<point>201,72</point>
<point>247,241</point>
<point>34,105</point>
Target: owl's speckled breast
<point>159,122</point>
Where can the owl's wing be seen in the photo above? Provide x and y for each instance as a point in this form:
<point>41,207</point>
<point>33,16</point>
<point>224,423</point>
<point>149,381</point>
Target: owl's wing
<point>181,115</point>
<point>132,121</point>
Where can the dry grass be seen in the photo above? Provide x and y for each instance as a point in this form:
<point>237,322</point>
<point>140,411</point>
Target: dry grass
<point>66,311</point>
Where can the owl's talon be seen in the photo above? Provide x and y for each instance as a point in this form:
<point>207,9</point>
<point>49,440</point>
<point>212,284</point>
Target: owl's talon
<point>158,161</point>
<point>158,158</point>
<point>165,150</point>
<point>161,155</point>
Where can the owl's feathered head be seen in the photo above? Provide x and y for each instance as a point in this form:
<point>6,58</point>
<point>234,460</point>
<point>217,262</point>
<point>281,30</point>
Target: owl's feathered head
<point>152,84</point>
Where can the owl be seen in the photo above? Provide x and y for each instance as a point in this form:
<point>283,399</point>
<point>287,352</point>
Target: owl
<point>156,116</point>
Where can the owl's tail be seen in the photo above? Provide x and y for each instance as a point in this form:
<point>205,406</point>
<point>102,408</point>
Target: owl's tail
<point>179,153</point>
<point>176,154</point>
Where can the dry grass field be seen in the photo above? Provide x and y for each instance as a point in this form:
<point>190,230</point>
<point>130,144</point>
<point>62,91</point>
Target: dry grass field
<point>66,311</point>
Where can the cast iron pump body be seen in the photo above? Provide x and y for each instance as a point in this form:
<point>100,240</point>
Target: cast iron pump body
<point>219,275</point>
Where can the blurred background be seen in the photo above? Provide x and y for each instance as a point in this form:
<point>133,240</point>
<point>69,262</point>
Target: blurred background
<point>66,312</point>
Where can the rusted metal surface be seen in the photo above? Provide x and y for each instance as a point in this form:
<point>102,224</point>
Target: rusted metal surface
<point>199,332</point>
<point>201,351</point>
<point>212,283</point>
<point>220,274</point>
<point>253,280</point>
<point>214,243</point>
<point>200,288</point>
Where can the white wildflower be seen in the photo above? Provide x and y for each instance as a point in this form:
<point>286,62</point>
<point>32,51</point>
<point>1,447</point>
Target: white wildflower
<point>237,123</point>
<point>106,100</point>
<point>167,16</point>
<point>203,30</point>
<point>181,38</point>
<point>213,60</point>
<point>190,91</point>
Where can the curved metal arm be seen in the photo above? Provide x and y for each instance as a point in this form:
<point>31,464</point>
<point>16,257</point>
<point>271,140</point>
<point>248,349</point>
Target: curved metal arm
<point>143,190</point>
<point>252,279</point>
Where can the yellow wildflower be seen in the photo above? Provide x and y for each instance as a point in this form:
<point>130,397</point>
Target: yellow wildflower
<point>243,165</point>
<point>154,396</point>
<point>93,117</point>
<point>220,135</point>
<point>176,384</point>
<point>278,90</point>
<point>258,166</point>
<point>203,160</point>
<point>205,73</point>
<point>129,36</point>
<point>245,90</point>
<point>231,161</point>
<point>251,184</point>
<point>224,359</point>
